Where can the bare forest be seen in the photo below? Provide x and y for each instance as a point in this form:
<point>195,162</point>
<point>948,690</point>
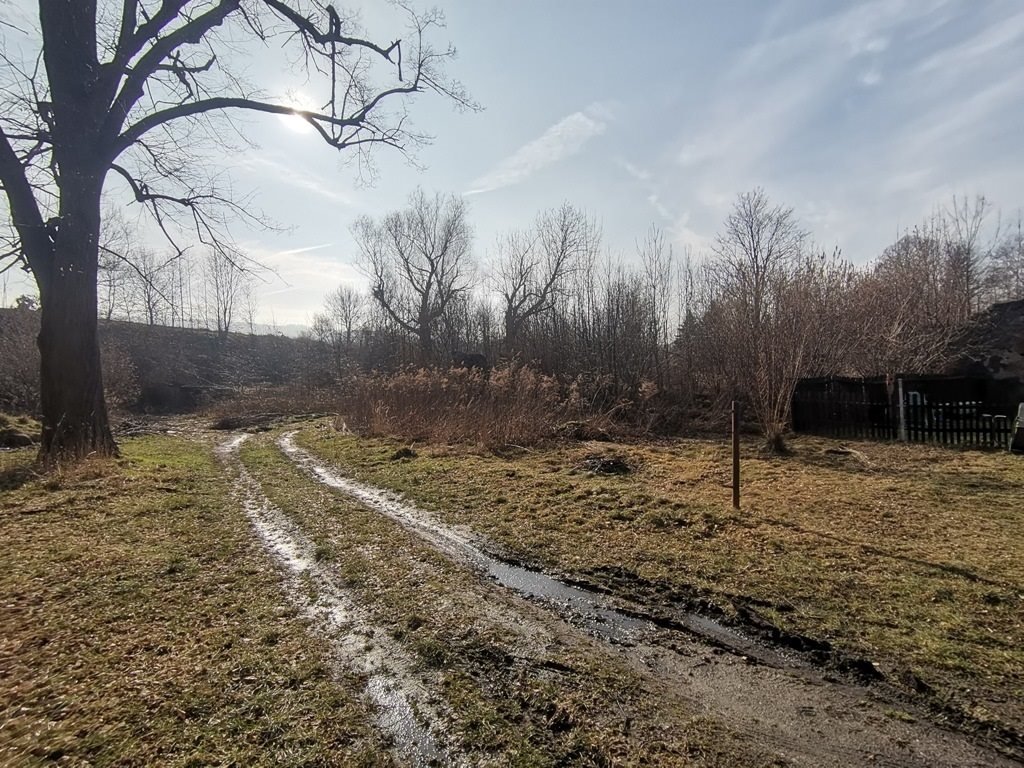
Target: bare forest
<point>657,339</point>
<point>545,333</point>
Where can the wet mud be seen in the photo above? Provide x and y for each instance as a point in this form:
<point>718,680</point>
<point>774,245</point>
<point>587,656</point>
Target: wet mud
<point>584,608</point>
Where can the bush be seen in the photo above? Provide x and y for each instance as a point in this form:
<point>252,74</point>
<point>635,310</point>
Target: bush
<point>120,380</point>
<point>19,365</point>
<point>246,407</point>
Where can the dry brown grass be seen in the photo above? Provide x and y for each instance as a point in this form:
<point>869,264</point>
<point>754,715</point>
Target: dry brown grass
<point>513,405</point>
<point>910,555</point>
<point>490,659</point>
<point>250,406</point>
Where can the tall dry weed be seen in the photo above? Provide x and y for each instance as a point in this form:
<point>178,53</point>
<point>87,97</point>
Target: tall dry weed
<point>513,405</point>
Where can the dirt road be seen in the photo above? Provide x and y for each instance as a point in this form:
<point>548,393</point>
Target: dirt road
<point>473,660</point>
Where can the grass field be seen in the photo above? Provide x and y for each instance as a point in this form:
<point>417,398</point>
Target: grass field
<point>143,622</point>
<point>909,555</point>
<point>517,694</point>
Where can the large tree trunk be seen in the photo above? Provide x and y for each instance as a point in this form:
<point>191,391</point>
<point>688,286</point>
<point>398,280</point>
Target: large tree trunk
<point>74,411</point>
<point>75,421</point>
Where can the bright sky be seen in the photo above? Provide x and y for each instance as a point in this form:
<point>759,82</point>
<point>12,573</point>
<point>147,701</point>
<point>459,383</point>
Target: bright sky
<point>862,116</point>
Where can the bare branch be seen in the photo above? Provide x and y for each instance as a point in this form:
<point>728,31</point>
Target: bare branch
<point>28,220</point>
<point>162,48</point>
<point>333,33</point>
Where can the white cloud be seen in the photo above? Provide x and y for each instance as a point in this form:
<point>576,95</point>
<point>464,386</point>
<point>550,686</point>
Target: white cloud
<point>296,177</point>
<point>777,83</point>
<point>659,206</point>
<point>874,45</point>
<point>1004,34</point>
<point>687,238</point>
<point>958,125</point>
<point>645,180</point>
<point>773,108</point>
<point>563,139</point>
<point>304,249</point>
<point>870,78</point>
<point>302,275</point>
<point>638,173</point>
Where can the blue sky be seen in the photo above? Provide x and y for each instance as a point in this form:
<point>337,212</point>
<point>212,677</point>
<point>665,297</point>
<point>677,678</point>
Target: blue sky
<point>862,116</point>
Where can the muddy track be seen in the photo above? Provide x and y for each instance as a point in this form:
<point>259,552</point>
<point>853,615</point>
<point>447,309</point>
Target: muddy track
<point>671,607</point>
<point>773,696</point>
<point>405,711</point>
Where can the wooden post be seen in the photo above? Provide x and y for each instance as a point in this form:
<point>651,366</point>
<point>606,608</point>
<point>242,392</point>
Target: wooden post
<point>735,455</point>
<point>903,413</point>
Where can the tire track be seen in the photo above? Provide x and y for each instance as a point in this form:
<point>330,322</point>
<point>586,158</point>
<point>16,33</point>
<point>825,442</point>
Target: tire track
<point>356,644</point>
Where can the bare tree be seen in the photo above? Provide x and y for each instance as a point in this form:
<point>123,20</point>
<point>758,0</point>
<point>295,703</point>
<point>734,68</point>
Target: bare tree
<point>116,241</point>
<point>913,303</point>
<point>345,305</point>
<point>624,329</point>
<point>131,89</point>
<point>149,285</point>
<point>224,283</point>
<point>755,293</point>
<point>250,305</point>
<point>418,261</point>
<point>685,343</point>
<point>1005,277</point>
<point>657,260</point>
<point>19,379</point>
<point>182,291</point>
<point>832,319</point>
<point>966,254</point>
<point>533,265</point>
<point>335,324</point>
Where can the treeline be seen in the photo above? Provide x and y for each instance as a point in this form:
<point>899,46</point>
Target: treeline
<point>163,369</point>
<point>653,341</point>
<point>666,334</point>
<point>208,288</point>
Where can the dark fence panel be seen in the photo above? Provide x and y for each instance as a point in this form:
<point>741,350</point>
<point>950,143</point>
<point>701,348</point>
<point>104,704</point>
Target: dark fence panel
<point>966,423</point>
<point>821,413</point>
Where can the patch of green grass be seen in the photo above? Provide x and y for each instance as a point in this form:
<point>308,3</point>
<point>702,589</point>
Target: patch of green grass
<point>20,423</point>
<point>911,555</point>
<point>324,553</point>
<point>143,625</point>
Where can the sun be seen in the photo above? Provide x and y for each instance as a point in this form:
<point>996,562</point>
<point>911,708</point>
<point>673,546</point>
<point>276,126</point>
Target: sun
<point>295,123</point>
<point>298,102</point>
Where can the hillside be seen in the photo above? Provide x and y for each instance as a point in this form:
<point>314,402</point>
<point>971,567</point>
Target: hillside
<point>157,368</point>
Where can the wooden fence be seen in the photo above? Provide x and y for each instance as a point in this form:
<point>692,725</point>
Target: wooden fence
<point>967,423</point>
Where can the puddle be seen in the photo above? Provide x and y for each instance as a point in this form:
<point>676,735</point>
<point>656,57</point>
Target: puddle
<point>356,643</point>
<point>587,608</point>
<point>581,606</point>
